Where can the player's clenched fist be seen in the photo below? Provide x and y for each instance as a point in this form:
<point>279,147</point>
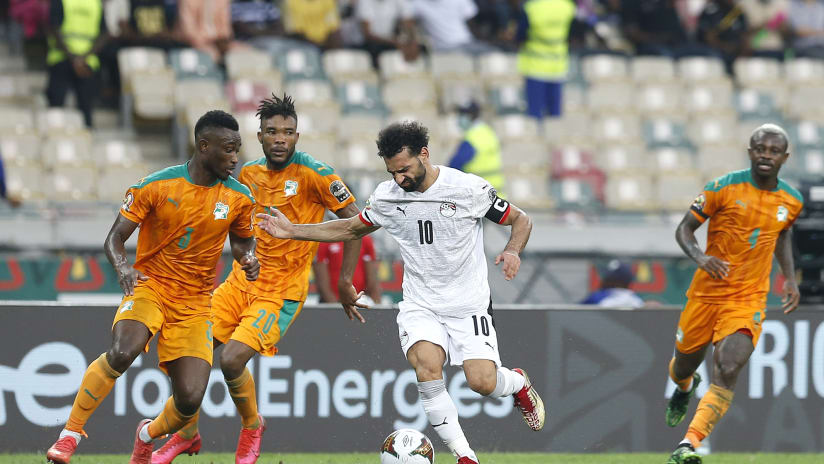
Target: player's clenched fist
<point>277,225</point>
<point>128,276</point>
<point>251,266</point>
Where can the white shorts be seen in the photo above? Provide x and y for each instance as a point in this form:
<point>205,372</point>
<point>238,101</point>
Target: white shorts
<point>469,337</point>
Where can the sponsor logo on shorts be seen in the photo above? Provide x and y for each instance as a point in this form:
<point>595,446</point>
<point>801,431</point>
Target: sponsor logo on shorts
<point>127,306</point>
<point>339,190</point>
<point>448,209</point>
<point>679,335</point>
<point>404,338</point>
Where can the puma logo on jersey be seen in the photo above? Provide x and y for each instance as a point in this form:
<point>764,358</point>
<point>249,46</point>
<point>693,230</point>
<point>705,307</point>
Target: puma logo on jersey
<point>742,203</point>
<point>401,210</point>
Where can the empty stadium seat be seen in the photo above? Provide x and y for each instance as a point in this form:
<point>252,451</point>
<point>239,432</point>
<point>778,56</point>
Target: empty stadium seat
<point>659,99</point>
<point>811,161</point>
<point>117,153</point>
<point>700,69</point>
<point>113,182</point>
<point>751,104</point>
<point>72,183</point>
<point>451,65</point>
<point>572,128</point>
<point>649,69</point>
<point>755,70</point>
<point>508,98</point>
<point>601,68</point>
<point>344,65</point>
<point>499,67</point>
<point>571,161</point>
<point>197,89</point>
<point>316,120</point>
<point>248,62</point>
<point>426,116</point>
<point>619,158</point>
<point>717,160</point>
<point>60,120</point>
<point>709,130</point>
<point>709,97</point>
<point>393,65</point>
<point>672,160</point>
<point>67,150</point>
<point>676,191</point>
<point>246,94</point>
<point>630,193</point>
<point>804,71</point>
<point>21,148</point>
<point>459,92</point>
<point>25,182</point>
<point>356,125</point>
<point>528,189</point>
<point>16,119</point>
<point>193,63</point>
<point>132,60</point>
<point>616,127</point>
<point>516,127</point>
<point>574,99</point>
<point>664,132</point>
<point>611,96</point>
<point>403,93</point>
<point>300,63</point>
<point>360,96</point>
<point>526,154</point>
<point>321,148</point>
<point>806,133</point>
<point>805,102</point>
<point>310,91</point>
<point>359,154</point>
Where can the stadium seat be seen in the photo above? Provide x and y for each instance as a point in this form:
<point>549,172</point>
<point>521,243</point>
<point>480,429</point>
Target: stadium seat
<point>752,104</point>
<point>196,108</point>
<point>321,148</point>
<point>710,130</point>
<point>392,65</point>
<point>442,149</point>
<point>427,116</point>
<point>16,119</point>
<point>113,182</point>
<point>676,191</point>
<point>604,68</point>
<point>14,88</point>
<point>313,92</point>
<point>344,65</point>
<point>359,154</point>
<point>451,65</point>
<point>621,158</point>
<point>805,102</point>
<point>60,120</point>
<point>193,63</point>
<point>754,70</point>
<point>574,99</point>
<point>516,127</point>
<point>133,60</point>
<point>458,92</point>
<point>708,97</point>
<point>652,69</point>
<point>659,99</point>
<point>526,154</point>
<point>715,161</point>
<point>508,98</point>
<point>700,69</point>
<point>630,193</point>
<point>571,161</point>
<point>403,93</point>
<point>663,132</point>
<point>318,121</point>
<point>812,162</point>
<point>197,89</point>
<point>499,67</point>
<point>448,129</point>
<point>574,194</point>
<point>20,148</point>
<point>528,189</point>
<point>245,94</point>
<point>356,125</point>
<point>610,96</point>
<point>360,96</point>
<point>300,63</point>
<point>25,181</point>
<point>806,133</point>
<point>248,62</point>
<point>72,183</point>
<point>672,160</point>
<point>616,127</point>
<point>117,154</point>
<point>154,95</point>
<point>802,71</point>
<point>67,150</point>
<point>572,128</point>
<point>250,148</point>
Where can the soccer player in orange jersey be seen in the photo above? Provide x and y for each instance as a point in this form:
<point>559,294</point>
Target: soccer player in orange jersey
<point>251,317</point>
<point>750,214</point>
<point>184,213</point>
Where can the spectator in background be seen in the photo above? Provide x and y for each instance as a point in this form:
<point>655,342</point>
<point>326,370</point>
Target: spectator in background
<point>445,23</point>
<point>13,200</point>
<point>315,21</point>
<point>151,23</point>
<point>543,59</point>
<point>614,291</point>
<point>255,18</point>
<point>654,28</point>
<point>207,26</point>
<point>387,25</point>
<point>769,24</point>
<point>480,151</point>
<point>77,33</point>
<point>496,22</point>
<point>327,267</point>
<point>723,26</point>
<point>807,21</point>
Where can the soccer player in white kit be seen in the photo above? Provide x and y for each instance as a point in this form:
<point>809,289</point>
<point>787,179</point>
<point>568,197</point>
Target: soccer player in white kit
<point>435,214</point>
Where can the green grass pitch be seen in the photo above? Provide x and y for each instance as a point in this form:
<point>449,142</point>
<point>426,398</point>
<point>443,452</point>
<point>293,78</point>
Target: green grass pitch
<point>442,458</point>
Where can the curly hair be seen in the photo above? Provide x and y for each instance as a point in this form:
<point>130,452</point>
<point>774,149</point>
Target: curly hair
<point>397,136</point>
<point>276,106</point>
<point>215,118</point>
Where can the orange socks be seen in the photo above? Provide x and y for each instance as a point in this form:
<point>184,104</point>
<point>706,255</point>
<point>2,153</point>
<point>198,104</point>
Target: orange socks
<point>242,391</point>
<point>96,385</point>
<point>169,421</point>
<point>683,384</point>
<point>710,410</point>
<point>190,429</point>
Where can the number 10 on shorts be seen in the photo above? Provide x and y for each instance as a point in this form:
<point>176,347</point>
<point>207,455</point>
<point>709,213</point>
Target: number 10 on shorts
<point>482,323</point>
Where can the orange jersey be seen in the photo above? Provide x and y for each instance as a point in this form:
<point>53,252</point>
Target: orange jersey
<point>745,222</point>
<point>303,191</point>
<point>183,228</point>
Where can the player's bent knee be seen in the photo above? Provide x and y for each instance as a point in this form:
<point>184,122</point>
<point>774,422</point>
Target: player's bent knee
<point>120,359</point>
<point>188,400</point>
<point>232,364</point>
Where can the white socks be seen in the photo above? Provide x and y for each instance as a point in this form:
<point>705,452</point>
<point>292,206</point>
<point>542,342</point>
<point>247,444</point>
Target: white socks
<point>509,382</point>
<point>144,433</point>
<point>69,433</point>
<point>443,416</point>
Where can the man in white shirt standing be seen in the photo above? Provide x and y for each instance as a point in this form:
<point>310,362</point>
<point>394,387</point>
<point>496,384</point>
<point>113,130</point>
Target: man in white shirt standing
<point>435,214</point>
<point>445,24</point>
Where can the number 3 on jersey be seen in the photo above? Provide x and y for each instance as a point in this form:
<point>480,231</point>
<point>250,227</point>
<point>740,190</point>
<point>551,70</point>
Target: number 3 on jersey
<point>425,232</point>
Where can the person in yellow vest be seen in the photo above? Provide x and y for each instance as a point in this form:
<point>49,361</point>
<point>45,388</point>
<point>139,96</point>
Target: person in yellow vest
<point>480,151</point>
<point>77,32</point>
<point>543,58</point>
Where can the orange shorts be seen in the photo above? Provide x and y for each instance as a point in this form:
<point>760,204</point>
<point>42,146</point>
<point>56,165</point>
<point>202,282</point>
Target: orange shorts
<point>702,323</point>
<point>183,329</point>
<point>252,320</point>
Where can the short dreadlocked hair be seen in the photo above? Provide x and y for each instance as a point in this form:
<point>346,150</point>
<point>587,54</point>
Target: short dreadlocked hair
<point>397,136</point>
<point>276,106</point>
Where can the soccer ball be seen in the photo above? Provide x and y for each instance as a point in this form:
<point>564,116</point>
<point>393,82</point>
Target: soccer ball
<point>407,446</point>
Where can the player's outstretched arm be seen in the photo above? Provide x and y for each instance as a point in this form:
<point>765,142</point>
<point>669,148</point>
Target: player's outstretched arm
<point>685,236</point>
<point>115,248</point>
<point>339,230</point>
<point>521,228</point>
<point>243,250</point>
<point>784,255</point>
